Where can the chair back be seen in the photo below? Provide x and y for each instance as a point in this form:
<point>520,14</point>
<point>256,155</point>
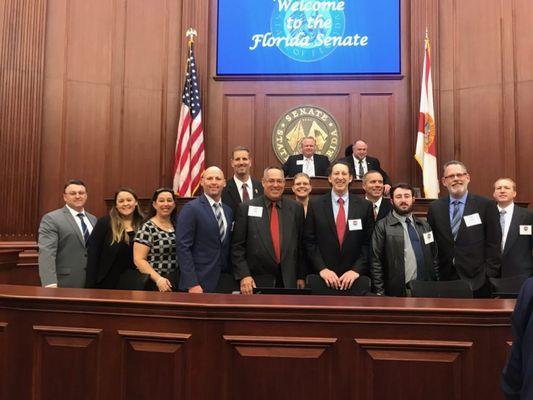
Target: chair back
<point>458,289</point>
<point>507,287</point>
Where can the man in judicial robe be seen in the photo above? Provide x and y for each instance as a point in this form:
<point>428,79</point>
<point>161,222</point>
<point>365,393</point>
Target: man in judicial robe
<point>267,237</point>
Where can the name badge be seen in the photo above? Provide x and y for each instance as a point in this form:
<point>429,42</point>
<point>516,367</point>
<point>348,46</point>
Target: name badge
<point>428,237</point>
<point>355,225</point>
<point>472,220</point>
<point>299,162</point>
<point>525,230</point>
<point>254,211</point>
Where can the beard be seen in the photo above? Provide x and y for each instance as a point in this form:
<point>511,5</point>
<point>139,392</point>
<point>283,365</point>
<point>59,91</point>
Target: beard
<point>400,211</point>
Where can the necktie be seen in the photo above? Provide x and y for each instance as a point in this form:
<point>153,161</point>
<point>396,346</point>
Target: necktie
<point>341,221</point>
<point>220,220</point>
<point>274,232</point>
<point>361,171</point>
<point>245,195</point>
<point>456,219</point>
<point>84,230</point>
<point>417,249</point>
<point>502,223</point>
<point>375,207</point>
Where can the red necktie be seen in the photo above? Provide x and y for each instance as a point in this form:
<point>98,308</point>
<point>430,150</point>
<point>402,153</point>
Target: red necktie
<point>341,221</point>
<point>245,195</point>
<point>274,232</point>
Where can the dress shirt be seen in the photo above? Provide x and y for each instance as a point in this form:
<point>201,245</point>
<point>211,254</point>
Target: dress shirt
<point>409,257</point>
<point>462,201</point>
<point>250,188</point>
<point>78,220</point>
<point>508,217</point>
<point>334,202</point>
<point>356,167</point>
<point>376,205</point>
<point>211,202</point>
<point>309,166</point>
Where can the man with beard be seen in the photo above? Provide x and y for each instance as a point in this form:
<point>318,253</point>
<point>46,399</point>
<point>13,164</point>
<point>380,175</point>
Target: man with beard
<point>373,187</point>
<point>241,187</point>
<point>338,229</point>
<point>403,248</point>
<point>467,231</point>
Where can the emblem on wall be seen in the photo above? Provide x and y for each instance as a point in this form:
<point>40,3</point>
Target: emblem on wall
<point>301,122</point>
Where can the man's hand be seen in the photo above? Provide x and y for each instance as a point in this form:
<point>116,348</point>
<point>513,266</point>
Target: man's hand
<point>347,279</point>
<point>196,289</point>
<point>331,278</point>
<point>386,189</point>
<point>300,284</point>
<point>247,285</point>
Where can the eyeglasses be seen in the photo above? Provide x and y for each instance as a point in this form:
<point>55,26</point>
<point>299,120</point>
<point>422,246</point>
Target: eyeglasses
<point>456,176</point>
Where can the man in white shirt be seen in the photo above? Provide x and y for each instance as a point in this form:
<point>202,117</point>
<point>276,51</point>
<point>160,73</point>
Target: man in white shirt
<point>516,223</point>
<point>308,161</point>
<point>373,187</point>
<point>63,235</point>
<point>241,187</point>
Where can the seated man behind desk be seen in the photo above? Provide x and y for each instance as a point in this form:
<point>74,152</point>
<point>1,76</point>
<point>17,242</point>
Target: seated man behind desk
<point>403,248</point>
<point>267,237</point>
<point>516,223</point>
<point>308,162</point>
<point>203,236</point>
<point>338,229</point>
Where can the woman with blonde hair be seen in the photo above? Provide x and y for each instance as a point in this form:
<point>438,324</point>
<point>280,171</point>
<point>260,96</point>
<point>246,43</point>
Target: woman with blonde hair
<point>110,246</point>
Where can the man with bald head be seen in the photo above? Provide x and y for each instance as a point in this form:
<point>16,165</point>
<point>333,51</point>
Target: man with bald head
<point>203,236</point>
<point>308,161</point>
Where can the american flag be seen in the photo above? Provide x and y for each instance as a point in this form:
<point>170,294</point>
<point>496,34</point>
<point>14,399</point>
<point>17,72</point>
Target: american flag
<point>189,162</point>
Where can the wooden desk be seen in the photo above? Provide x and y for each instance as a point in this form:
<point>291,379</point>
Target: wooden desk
<point>101,344</point>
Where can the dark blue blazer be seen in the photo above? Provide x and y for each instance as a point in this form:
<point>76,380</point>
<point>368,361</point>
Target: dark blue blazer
<point>201,255</point>
<point>517,376</point>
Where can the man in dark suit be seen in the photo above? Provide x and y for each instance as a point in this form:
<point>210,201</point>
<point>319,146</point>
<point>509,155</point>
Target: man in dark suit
<point>403,248</point>
<point>467,231</point>
<point>373,187</point>
<point>338,229</point>
<point>203,236</point>
<point>360,163</point>
<point>267,237</point>
<point>241,187</point>
<point>517,382</point>
<point>516,223</point>
<point>308,162</point>
<point>63,235</point>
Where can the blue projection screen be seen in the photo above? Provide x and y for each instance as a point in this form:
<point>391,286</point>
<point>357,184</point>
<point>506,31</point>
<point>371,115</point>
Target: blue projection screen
<point>287,37</point>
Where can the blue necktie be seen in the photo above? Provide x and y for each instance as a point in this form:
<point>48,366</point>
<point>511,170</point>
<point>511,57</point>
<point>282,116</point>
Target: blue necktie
<point>220,221</point>
<point>456,219</point>
<point>417,249</point>
<point>84,230</point>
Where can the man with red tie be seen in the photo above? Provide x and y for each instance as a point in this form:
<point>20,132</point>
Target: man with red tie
<point>338,230</point>
<point>267,237</point>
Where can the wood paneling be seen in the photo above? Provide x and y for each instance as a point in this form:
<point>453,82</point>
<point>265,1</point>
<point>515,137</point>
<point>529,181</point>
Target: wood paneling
<point>91,89</point>
<point>3,360</point>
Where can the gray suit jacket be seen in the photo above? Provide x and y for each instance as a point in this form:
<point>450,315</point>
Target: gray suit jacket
<point>62,251</point>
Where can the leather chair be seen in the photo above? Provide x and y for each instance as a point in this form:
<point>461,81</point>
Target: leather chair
<point>458,289</point>
<point>507,287</point>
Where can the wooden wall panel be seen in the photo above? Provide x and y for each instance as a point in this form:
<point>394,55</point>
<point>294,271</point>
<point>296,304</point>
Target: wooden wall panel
<point>3,360</point>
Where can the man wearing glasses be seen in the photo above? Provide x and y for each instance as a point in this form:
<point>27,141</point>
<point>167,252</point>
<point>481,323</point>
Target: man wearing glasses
<point>267,238</point>
<point>467,231</point>
<point>63,235</point>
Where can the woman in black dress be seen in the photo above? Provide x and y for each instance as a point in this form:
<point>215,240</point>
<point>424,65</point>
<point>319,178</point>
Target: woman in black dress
<point>110,246</point>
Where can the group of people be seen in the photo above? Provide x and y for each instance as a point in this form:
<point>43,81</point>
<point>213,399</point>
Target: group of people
<point>246,233</point>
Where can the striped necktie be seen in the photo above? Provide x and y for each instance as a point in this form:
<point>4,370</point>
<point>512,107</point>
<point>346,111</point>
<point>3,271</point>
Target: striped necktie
<point>220,220</point>
<point>84,230</point>
<point>456,219</point>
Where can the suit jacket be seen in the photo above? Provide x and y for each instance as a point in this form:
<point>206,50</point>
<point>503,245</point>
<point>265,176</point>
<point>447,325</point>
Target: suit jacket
<point>517,255</point>
<point>101,254</point>
<point>516,377</point>
<point>322,243</point>
<point>291,167</point>
<point>252,252</point>
<point>62,251</point>
<point>475,255</point>
<point>384,209</point>
<point>231,196</point>
<point>373,165</point>
<point>201,255</point>
<point>387,260</point>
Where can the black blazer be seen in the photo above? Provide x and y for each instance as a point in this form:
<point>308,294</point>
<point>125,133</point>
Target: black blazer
<point>322,243</point>
<point>372,164</point>
<point>517,255</point>
<point>476,251</point>
<point>252,252</point>
<point>101,254</point>
<point>231,197</point>
<point>291,167</point>
<point>384,209</point>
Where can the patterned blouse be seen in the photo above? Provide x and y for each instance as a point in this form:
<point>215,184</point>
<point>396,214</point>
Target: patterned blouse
<point>162,244</point>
